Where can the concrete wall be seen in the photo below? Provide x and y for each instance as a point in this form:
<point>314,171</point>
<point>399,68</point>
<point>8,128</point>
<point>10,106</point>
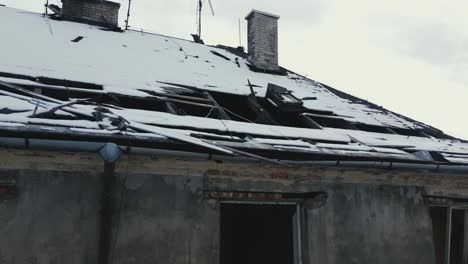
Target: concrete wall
<point>54,219</point>
<point>165,220</point>
<point>370,224</point>
<point>163,217</point>
<point>105,13</point>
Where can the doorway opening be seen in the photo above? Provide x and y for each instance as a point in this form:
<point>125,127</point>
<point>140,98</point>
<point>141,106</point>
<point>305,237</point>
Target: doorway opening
<point>259,233</point>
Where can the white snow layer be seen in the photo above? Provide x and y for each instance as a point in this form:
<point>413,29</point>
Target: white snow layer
<point>125,62</point>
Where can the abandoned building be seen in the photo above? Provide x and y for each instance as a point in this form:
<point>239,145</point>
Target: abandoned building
<point>122,146</point>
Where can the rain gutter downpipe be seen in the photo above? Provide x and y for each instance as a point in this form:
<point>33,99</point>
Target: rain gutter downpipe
<point>110,153</point>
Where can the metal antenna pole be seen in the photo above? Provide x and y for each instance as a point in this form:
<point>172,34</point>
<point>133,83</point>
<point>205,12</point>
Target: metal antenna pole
<point>46,6</point>
<point>128,14</point>
<point>240,35</point>
<point>200,5</point>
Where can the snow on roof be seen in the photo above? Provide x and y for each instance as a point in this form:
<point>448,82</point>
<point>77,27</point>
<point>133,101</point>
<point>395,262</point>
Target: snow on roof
<point>58,76</point>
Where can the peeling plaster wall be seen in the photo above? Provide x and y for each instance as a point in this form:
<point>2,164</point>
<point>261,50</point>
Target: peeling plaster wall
<point>53,219</point>
<point>164,219</point>
<point>371,224</point>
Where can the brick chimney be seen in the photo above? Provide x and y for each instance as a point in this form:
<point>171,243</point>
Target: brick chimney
<point>94,12</point>
<point>263,40</point>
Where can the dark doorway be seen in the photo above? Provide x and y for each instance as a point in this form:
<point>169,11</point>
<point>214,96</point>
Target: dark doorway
<point>457,237</point>
<point>257,234</point>
<point>439,231</point>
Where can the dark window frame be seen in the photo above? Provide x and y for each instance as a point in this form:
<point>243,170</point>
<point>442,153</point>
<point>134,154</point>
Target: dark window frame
<point>450,210</point>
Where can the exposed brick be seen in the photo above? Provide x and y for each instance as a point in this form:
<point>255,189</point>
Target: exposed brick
<point>263,40</point>
<point>103,13</point>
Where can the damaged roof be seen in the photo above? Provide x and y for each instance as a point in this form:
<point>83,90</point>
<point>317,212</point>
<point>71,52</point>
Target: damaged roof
<point>73,81</point>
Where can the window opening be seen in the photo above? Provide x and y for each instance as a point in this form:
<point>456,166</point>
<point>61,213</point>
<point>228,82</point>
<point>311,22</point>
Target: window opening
<point>450,232</point>
<point>259,233</point>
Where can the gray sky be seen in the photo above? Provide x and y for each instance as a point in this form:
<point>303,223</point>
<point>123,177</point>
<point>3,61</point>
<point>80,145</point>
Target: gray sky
<point>408,56</point>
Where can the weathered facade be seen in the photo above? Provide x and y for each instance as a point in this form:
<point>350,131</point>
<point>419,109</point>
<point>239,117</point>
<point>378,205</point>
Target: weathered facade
<point>168,210</point>
<point>188,154</point>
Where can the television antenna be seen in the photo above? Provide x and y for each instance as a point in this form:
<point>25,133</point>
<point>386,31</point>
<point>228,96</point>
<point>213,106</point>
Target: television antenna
<point>46,5</point>
<point>128,14</point>
<point>199,13</point>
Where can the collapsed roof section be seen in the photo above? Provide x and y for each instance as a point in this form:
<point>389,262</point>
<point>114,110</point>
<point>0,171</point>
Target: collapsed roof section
<point>78,82</point>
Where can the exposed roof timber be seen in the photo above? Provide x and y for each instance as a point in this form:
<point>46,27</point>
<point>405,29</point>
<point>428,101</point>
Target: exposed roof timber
<point>59,107</point>
<point>53,81</point>
<point>190,88</point>
<point>166,99</point>
<point>310,122</point>
<point>190,72</point>
<point>269,154</point>
<point>279,136</point>
<point>344,152</point>
<point>152,129</point>
<point>34,84</point>
<point>52,102</point>
<point>208,101</point>
<point>262,158</point>
<point>171,108</point>
<point>180,137</point>
<point>262,116</point>
<point>324,116</point>
<point>220,112</point>
<point>51,105</point>
<point>177,96</point>
<point>251,134</point>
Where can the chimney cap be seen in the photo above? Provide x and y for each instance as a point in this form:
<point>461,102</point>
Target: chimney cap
<point>255,11</point>
<point>107,2</point>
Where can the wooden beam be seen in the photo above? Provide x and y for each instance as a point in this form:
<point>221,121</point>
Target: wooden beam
<point>219,110</point>
<point>263,116</point>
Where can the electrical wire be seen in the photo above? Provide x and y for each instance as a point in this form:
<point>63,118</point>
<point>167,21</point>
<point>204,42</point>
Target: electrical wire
<point>209,113</point>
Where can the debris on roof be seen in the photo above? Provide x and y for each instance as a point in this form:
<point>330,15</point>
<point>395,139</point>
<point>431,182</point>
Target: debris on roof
<point>75,81</point>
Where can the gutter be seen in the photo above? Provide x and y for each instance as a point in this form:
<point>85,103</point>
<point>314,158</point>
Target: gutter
<point>94,147</point>
<point>109,153</point>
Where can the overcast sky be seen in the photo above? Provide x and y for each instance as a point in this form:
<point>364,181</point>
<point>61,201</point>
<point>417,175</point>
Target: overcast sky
<point>408,56</point>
